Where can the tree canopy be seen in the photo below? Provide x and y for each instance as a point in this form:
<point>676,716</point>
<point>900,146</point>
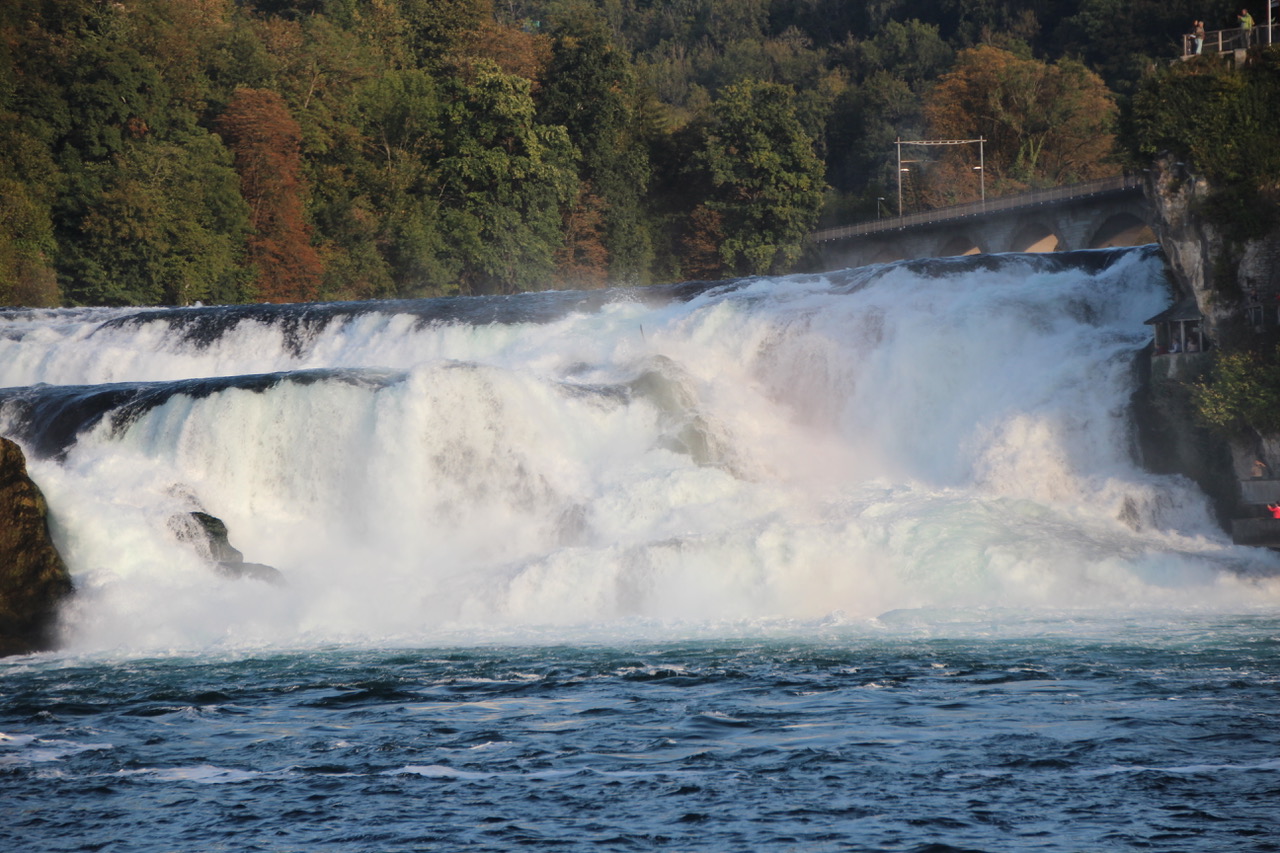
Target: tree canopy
<point>173,151</point>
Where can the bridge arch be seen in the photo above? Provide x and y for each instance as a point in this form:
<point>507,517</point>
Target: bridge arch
<point>1122,229</point>
<point>1035,237</point>
<point>887,253</point>
<point>958,244</point>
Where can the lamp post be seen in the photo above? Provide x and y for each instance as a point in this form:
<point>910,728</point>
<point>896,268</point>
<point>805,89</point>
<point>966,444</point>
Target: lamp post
<point>879,205</point>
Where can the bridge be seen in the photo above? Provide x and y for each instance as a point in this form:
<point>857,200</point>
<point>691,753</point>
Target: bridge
<point>1092,215</point>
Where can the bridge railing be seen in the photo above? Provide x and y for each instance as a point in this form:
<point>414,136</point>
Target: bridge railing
<point>1221,41</point>
<point>979,208</point>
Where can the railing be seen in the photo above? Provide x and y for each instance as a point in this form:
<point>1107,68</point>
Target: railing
<point>1221,41</point>
<point>1101,186</point>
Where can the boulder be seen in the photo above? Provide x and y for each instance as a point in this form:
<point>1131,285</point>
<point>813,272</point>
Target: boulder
<point>208,535</point>
<point>33,578</point>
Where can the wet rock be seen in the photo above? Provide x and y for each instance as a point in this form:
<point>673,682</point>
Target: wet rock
<point>208,535</point>
<point>33,578</point>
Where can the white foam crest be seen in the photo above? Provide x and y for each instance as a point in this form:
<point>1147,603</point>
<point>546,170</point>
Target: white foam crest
<point>794,449</point>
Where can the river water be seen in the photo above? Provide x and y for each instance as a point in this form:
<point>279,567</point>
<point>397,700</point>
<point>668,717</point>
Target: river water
<point>858,561</point>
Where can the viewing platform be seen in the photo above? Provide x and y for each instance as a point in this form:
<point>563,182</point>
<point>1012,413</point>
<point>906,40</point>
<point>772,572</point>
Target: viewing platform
<point>1231,40</point>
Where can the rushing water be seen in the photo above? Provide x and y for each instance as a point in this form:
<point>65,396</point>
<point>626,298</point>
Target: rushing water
<point>859,561</point>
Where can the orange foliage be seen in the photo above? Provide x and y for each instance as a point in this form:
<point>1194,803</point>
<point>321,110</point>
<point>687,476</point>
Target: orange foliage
<point>700,245</point>
<point>514,50</point>
<point>1043,124</point>
<point>265,139</point>
<point>583,260</point>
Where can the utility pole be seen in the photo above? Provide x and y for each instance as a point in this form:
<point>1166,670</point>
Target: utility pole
<point>981,168</point>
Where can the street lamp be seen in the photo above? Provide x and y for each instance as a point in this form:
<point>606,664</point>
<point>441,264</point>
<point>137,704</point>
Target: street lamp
<point>879,205</point>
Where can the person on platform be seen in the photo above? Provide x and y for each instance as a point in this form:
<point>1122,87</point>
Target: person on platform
<point>1246,27</point>
<point>1197,32</point>
<point>1275,510</point>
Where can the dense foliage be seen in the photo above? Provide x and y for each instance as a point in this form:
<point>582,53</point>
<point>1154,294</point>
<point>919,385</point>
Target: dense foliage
<point>1243,392</point>
<point>1223,119</point>
<point>171,151</point>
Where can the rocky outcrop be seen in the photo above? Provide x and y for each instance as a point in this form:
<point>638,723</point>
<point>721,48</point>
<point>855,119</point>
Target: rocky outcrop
<point>1203,261</point>
<point>1225,277</point>
<point>208,535</point>
<point>33,578</point>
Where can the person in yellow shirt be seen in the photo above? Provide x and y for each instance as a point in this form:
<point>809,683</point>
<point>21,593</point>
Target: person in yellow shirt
<point>1246,27</point>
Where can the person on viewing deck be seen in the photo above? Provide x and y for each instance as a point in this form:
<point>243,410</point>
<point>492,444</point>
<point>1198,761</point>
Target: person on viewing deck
<point>1246,27</point>
<point>1197,32</point>
<point>1259,469</point>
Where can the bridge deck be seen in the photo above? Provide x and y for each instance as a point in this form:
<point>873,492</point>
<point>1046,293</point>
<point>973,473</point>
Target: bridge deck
<point>1089,189</point>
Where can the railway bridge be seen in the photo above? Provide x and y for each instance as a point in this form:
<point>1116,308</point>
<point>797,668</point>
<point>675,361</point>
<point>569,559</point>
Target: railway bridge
<point>1092,215</point>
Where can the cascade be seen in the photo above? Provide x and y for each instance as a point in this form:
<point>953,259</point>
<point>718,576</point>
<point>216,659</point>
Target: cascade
<point>922,435</point>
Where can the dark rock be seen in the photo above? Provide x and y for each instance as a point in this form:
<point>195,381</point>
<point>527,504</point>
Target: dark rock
<point>257,571</point>
<point>208,535</point>
<point>33,578</point>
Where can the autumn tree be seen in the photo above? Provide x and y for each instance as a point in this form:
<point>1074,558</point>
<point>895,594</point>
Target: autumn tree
<point>582,261</point>
<point>265,139</point>
<point>767,180</point>
<point>1044,124</point>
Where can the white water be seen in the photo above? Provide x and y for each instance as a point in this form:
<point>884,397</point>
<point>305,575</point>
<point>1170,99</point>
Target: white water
<point>789,453</point>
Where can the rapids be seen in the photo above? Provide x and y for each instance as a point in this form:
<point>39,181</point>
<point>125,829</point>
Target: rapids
<point>936,437</point>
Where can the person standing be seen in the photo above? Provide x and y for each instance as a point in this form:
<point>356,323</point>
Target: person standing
<point>1246,27</point>
<point>1197,32</point>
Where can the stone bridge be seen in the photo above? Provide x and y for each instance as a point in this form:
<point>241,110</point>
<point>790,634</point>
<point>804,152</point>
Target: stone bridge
<point>1094,215</point>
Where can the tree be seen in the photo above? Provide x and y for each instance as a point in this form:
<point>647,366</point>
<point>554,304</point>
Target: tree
<point>503,180</point>
<point>767,180</point>
<point>591,91</point>
<point>265,140</point>
<point>167,228</point>
<point>1043,124</point>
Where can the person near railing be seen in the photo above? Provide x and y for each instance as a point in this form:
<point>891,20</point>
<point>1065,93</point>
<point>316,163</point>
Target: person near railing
<point>1197,32</point>
<point>1246,27</point>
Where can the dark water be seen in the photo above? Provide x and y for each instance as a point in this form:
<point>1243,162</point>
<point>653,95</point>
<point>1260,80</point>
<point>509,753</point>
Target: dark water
<point>1160,737</point>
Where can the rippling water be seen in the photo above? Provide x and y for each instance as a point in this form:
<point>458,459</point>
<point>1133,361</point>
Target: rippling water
<point>1160,737</point>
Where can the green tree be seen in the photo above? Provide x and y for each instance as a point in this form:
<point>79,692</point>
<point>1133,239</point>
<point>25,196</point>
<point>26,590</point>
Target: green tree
<point>168,227</point>
<point>1243,392</point>
<point>767,181</point>
<point>591,92</point>
<point>503,181</point>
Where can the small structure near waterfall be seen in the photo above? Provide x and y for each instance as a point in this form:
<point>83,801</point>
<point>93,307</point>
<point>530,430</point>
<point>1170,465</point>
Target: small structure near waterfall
<point>1179,329</point>
<point>208,535</point>
<point>33,578</point>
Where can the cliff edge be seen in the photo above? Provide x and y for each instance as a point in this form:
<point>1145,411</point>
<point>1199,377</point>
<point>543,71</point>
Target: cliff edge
<point>1235,284</point>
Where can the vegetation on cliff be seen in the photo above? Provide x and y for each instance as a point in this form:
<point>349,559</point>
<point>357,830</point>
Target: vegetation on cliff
<point>1223,120</point>
<point>1220,119</point>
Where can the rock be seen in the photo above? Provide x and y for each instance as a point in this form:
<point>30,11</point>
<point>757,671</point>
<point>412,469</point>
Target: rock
<point>1220,274</point>
<point>208,535</point>
<point>1204,262</point>
<point>33,578</point>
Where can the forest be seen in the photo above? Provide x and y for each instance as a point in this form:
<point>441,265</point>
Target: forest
<point>169,152</point>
